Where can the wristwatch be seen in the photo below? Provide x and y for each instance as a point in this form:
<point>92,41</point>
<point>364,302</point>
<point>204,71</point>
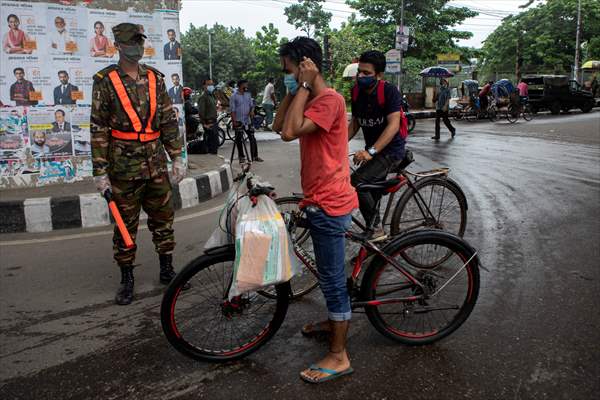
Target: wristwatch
<point>372,151</point>
<point>306,86</point>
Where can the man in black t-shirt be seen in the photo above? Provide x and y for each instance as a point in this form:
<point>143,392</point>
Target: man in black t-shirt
<point>377,109</point>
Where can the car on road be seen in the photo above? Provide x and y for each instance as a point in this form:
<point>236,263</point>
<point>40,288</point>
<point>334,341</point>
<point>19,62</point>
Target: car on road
<point>557,93</point>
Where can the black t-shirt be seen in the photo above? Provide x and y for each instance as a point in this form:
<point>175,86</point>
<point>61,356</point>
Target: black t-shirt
<point>373,119</point>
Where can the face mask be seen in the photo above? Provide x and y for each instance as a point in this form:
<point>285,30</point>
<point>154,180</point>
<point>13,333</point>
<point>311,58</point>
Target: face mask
<point>290,83</point>
<point>133,53</point>
<point>365,82</point>
<point>210,88</point>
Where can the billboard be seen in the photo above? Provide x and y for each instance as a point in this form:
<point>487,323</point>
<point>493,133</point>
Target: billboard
<point>50,53</point>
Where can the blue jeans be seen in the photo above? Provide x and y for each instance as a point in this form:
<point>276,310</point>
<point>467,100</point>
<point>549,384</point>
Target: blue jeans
<point>328,236</point>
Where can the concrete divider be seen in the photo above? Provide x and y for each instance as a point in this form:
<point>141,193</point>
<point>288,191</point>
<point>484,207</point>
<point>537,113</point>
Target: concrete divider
<point>88,210</point>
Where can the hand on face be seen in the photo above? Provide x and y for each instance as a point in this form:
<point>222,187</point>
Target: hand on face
<point>308,71</point>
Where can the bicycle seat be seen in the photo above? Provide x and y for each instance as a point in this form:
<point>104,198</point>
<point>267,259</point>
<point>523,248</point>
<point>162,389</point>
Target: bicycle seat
<point>378,185</point>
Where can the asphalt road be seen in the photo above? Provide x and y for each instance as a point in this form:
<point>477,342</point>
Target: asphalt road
<point>534,201</point>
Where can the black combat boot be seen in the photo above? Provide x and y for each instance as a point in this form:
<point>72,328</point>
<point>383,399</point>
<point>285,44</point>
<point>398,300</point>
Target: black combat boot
<point>125,292</point>
<point>166,268</point>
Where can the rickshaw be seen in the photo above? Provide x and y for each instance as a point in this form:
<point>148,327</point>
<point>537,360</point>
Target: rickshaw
<point>468,104</point>
<point>506,99</point>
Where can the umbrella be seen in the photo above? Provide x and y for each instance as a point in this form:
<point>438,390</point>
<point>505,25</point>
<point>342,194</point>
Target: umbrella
<point>436,72</point>
<point>591,65</point>
<point>350,71</point>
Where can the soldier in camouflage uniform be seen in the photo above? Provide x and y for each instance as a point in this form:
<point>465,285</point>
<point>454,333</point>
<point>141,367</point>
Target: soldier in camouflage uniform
<point>132,125</point>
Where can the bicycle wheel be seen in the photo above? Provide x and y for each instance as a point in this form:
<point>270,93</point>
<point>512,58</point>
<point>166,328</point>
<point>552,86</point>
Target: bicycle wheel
<point>512,114</point>
<point>453,287</point>
<point>302,284</point>
<point>202,324</point>
<point>527,115</point>
<point>442,196</point>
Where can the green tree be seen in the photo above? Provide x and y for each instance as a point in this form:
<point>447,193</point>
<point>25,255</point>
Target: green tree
<point>266,53</point>
<point>432,22</point>
<point>309,17</point>
<point>232,54</point>
<point>545,35</point>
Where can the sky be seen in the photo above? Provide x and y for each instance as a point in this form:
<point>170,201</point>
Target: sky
<point>252,14</point>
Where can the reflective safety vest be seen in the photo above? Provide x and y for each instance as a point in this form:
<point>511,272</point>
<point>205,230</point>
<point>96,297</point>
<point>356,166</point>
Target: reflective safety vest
<point>139,133</point>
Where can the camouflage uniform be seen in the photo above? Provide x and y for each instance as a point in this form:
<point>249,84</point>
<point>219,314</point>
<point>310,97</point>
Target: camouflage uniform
<point>138,171</point>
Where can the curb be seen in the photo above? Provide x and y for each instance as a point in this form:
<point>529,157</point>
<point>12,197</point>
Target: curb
<point>89,210</point>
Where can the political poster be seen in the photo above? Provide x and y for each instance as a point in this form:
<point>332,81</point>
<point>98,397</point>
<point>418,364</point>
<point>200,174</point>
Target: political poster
<point>171,46</point>
<point>50,53</point>
<point>50,131</point>
<point>80,130</point>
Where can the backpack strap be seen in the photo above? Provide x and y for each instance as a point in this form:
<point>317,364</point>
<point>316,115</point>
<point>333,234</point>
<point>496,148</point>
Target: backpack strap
<point>355,92</point>
<point>381,93</point>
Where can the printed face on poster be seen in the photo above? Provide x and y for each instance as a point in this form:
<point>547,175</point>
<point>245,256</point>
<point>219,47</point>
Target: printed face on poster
<point>171,37</point>
<point>50,131</point>
<point>13,132</point>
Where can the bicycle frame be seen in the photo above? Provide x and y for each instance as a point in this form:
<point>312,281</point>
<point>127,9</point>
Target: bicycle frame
<point>368,249</point>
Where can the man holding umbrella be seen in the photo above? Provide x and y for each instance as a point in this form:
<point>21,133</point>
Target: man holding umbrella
<point>443,98</point>
<point>441,110</point>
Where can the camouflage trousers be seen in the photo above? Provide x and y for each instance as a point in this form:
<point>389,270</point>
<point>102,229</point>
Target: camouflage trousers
<point>154,196</point>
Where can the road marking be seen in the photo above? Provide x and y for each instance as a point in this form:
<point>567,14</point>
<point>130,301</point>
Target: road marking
<point>100,233</point>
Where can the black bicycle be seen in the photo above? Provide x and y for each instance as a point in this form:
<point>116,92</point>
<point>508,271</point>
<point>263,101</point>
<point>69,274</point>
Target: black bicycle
<point>416,288</point>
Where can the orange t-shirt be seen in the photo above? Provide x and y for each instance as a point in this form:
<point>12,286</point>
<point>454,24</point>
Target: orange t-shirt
<point>325,170</point>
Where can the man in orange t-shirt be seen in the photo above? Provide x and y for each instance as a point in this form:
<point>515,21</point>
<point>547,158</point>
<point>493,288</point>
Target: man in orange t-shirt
<point>316,115</point>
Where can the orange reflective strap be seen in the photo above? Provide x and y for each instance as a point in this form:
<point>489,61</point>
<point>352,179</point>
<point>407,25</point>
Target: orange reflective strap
<point>142,137</point>
<point>153,100</point>
<point>125,101</point>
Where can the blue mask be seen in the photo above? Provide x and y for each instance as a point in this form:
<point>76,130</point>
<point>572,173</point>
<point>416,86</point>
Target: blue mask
<point>290,83</point>
<point>365,82</point>
<point>210,88</point>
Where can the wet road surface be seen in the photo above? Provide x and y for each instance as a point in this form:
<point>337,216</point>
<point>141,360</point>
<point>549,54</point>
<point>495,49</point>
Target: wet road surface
<point>534,204</point>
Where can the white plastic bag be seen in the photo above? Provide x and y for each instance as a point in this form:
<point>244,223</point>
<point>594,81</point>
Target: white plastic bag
<point>264,251</point>
<point>224,233</point>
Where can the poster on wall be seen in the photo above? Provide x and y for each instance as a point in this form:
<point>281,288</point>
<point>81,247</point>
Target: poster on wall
<point>171,46</point>
<point>101,42</point>
<point>13,132</point>
<point>80,130</point>
<point>150,25</point>
<point>50,53</point>
<point>50,131</point>
<point>23,29</point>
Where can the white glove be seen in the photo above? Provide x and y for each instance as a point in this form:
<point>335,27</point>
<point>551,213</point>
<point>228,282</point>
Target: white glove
<point>179,170</point>
<point>103,184</point>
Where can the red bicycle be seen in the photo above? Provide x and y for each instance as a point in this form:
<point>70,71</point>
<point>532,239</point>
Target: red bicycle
<point>411,201</point>
<point>416,288</point>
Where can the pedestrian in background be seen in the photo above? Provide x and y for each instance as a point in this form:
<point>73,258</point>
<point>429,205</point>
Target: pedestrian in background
<point>523,91</point>
<point>129,159</point>
<point>269,102</point>
<point>241,107</point>
<point>207,110</point>
<point>441,110</point>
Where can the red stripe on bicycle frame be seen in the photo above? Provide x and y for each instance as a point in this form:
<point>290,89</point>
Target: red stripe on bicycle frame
<point>362,254</point>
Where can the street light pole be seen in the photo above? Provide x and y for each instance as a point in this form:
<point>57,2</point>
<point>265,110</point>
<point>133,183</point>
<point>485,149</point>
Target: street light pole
<point>577,41</point>
<point>209,54</point>
<point>401,51</point>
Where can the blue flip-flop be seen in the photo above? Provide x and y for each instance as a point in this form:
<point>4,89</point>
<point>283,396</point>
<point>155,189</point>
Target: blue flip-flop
<point>332,374</point>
